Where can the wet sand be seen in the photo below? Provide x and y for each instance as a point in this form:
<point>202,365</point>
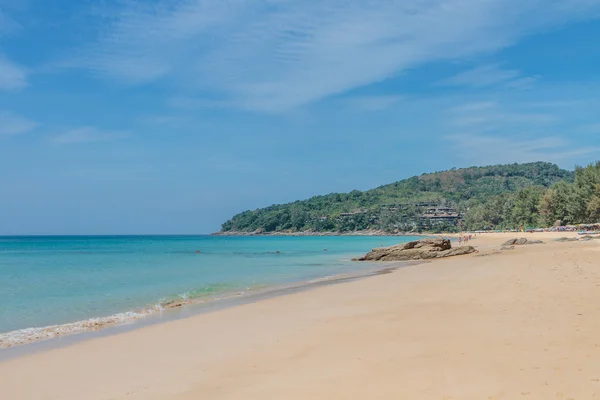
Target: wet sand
<point>522,323</point>
<point>17,343</point>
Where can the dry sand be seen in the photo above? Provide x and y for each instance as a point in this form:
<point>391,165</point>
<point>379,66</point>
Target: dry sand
<point>517,324</point>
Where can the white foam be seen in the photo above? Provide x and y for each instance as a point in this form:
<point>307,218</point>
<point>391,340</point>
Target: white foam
<point>29,335</point>
<point>323,279</point>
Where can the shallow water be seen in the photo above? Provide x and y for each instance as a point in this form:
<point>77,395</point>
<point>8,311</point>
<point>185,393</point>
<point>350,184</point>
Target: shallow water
<point>58,280</point>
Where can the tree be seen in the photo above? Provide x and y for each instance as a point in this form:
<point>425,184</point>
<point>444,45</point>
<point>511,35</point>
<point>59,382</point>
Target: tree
<point>482,194</point>
<point>298,219</point>
<point>556,204</point>
<point>526,209</point>
<point>593,206</point>
<point>585,189</point>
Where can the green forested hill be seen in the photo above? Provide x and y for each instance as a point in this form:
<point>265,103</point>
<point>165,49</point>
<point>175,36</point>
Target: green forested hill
<point>405,205</point>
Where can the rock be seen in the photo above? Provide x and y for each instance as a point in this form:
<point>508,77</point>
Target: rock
<point>566,239</point>
<point>585,238</point>
<point>520,242</point>
<point>423,249</point>
<point>510,242</point>
<point>535,242</point>
<point>507,248</point>
<point>458,251</point>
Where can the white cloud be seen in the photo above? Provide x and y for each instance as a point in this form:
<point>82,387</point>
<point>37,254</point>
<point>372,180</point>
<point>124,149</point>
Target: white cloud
<point>492,132</point>
<point>191,103</point>
<point>12,76</point>
<point>494,119</point>
<point>471,107</point>
<point>7,24</point>
<point>522,83</point>
<point>486,150</point>
<point>12,124</point>
<point>277,54</point>
<point>158,119</point>
<point>489,75</point>
<point>373,103</point>
<point>491,116</point>
<point>592,128</point>
<point>88,135</point>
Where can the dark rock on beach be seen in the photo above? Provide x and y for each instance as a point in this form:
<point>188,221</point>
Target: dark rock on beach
<point>566,239</point>
<point>510,242</point>
<point>583,238</point>
<point>424,249</point>
<point>520,242</point>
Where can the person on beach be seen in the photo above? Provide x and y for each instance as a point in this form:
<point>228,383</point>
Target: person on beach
<point>460,240</point>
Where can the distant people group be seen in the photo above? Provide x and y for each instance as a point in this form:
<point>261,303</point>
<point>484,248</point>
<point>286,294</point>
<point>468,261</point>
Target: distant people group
<point>464,239</point>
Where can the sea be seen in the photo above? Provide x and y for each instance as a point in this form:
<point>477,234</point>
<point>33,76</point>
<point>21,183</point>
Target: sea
<point>55,285</point>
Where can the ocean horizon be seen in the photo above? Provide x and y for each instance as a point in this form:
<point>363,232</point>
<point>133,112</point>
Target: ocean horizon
<point>76,283</point>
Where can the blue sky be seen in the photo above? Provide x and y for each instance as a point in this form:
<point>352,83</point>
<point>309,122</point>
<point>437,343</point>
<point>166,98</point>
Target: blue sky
<point>127,116</point>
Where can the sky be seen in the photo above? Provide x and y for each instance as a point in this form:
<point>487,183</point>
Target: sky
<point>168,117</point>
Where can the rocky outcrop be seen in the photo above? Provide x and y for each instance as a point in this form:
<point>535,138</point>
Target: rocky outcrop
<point>424,249</point>
<point>510,244</point>
<point>520,242</point>
<point>566,239</point>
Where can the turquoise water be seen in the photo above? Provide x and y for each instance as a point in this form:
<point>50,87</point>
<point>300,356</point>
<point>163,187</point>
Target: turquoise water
<point>56,280</point>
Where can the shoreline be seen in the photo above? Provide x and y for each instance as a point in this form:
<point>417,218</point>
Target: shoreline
<point>161,304</point>
<point>497,324</point>
<point>22,339</point>
<point>317,234</point>
<point>160,311</point>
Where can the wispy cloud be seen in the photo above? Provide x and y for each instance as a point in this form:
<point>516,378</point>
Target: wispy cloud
<point>489,132</point>
<point>7,24</point>
<point>473,107</point>
<point>157,119</point>
<point>275,55</point>
<point>88,135</point>
<point>199,103</point>
<point>522,83</point>
<point>489,116</point>
<point>165,120</point>
<point>13,124</point>
<point>493,119</point>
<point>592,128</point>
<point>373,103</point>
<point>485,149</point>
<point>12,76</point>
<point>490,75</point>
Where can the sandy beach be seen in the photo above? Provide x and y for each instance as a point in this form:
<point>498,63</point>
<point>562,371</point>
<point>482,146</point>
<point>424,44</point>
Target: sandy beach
<point>522,323</point>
